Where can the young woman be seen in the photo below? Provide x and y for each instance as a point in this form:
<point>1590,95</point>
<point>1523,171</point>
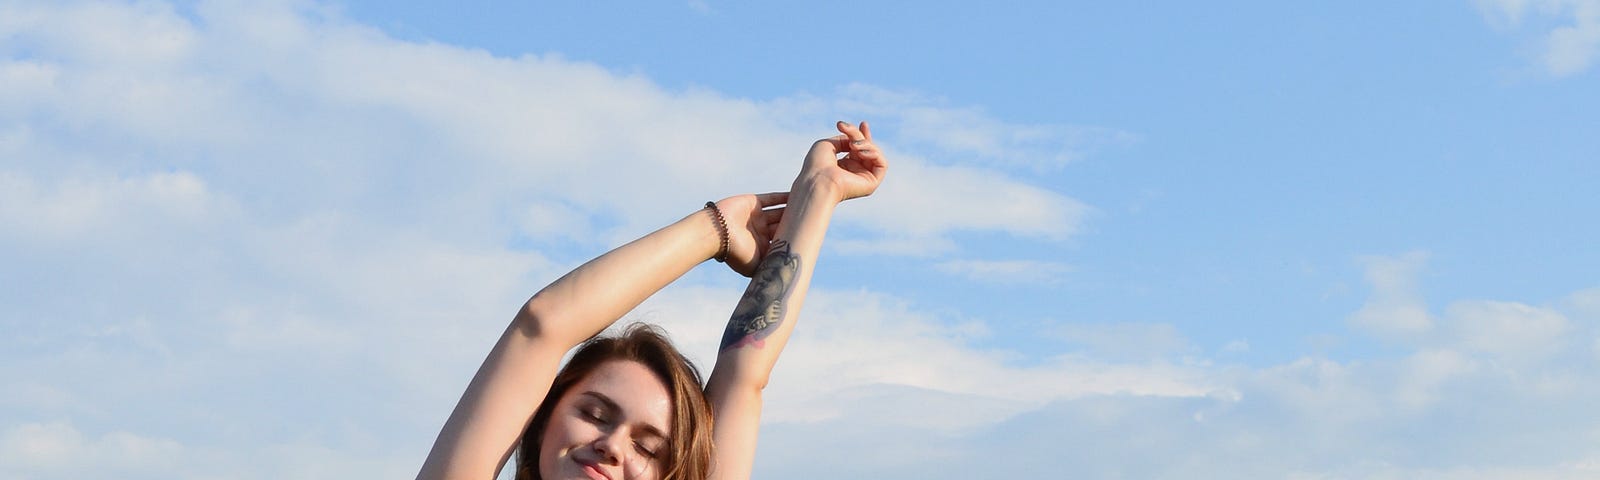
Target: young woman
<point>631,407</point>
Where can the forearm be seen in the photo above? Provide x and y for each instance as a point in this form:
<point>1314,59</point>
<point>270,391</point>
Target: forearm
<point>766,314</point>
<point>761,325</point>
<point>588,299</point>
<point>482,430</point>
<point>836,168</point>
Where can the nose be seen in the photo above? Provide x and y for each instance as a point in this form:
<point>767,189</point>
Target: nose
<point>610,447</point>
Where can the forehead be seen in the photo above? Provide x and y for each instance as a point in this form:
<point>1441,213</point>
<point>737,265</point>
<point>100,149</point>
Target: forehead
<point>636,391</point>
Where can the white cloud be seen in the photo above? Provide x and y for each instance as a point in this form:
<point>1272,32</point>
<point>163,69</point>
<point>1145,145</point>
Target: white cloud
<point>325,102</point>
<point>1426,413</point>
<point>1585,303</point>
<point>1503,13</point>
<point>1573,48</point>
<point>1126,340</point>
<point>58,450</point>
<point>1567,471</point>
<point>88,209</point>
<point>1424,373</point>
<point>1584,306</point>
<point>1006,271</point>
<point>1506,329</point>
<point>1563,50</point>
<point>884,344</point>
<point>43,451</point>
<point>1395,310</point>
<point>855,345</point>
<point>967,136</point>
<point>925,202</point>
<point>556,220</point>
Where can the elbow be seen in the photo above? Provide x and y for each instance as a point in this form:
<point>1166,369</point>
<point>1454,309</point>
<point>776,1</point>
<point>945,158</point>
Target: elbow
<point>756,381</point>
<point>753,384</point>
<point>744,380</point>
<point>726,390</point>
<point>536,320</point>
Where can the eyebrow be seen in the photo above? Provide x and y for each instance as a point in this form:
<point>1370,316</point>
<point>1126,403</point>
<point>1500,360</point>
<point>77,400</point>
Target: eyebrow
<point>611,405</point>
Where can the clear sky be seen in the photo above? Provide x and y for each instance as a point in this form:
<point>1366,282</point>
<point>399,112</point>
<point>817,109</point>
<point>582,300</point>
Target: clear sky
<point>1118,239</point>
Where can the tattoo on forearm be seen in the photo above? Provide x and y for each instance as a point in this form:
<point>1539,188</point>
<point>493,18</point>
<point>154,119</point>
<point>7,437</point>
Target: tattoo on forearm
<point>762,307</point>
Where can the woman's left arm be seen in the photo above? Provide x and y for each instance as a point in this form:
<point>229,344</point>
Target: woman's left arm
<point>766,314</point>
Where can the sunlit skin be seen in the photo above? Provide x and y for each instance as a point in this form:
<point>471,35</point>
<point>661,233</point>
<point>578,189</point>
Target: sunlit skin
<point>613,425</point>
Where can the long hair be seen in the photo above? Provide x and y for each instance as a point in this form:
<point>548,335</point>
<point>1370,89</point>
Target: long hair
<point>689,445</point>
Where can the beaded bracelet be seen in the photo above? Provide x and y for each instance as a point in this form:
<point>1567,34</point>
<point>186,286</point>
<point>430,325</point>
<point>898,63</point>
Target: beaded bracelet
<point>722,231</point>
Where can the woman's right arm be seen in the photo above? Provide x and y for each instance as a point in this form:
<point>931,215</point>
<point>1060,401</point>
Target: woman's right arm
<point>483,430</point>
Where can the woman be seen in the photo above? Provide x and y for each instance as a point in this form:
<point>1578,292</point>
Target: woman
<point>629,407</point>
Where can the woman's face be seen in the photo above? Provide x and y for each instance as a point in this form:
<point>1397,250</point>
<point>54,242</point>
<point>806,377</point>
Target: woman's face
<point>611,425</point>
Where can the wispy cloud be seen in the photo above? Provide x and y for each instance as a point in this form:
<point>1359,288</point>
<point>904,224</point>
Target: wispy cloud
<point>966,135</point>
<point>347,117</point>
<point>1395,310</point>
<point>700,6</point>
<point>1126,341</point>
<point>853,345</point>
<point>1006,271</point>
<point>59,448</point>
<point>1563,50</point>
<point>868,372</point>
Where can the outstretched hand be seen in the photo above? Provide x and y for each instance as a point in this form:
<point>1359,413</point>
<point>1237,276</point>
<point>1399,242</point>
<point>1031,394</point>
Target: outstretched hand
<point>752,222</point>
<point>857,173</point>
<point>849,163</point>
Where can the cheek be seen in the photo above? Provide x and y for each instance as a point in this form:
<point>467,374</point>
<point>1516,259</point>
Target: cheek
<point>547,453</point>
<point>643,469</point>
<point>559,435</point>
<point>564,429</point>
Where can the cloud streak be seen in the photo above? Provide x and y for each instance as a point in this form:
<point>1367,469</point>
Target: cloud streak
<point>1563,50</point>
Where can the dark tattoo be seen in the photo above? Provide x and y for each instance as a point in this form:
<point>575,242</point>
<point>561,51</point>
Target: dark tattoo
<point>762,307</point>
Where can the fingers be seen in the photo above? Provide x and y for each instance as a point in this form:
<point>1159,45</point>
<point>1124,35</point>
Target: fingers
<point>860,140</point>
<point>829,147</point>
<point>773,198</point>
<point>860,156</point>
<point>850,130</point>
<point>866,151</point>
<point>853,132</point>
<point>853,138</point>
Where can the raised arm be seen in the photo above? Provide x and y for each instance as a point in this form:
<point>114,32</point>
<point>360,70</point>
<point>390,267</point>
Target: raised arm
<point>483,429</point>
<point>766,314</point>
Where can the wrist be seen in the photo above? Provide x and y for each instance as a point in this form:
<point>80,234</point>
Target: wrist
<point>707,237</point>
<point>813,187</point>
<point>721,224</point>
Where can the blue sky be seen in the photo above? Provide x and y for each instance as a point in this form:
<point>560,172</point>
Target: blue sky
<point>1355,121</point>
<point>1149,240</point>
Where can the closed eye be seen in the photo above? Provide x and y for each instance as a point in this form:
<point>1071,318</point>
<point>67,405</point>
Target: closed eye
<point>644,450</point>
<point>601,411</point>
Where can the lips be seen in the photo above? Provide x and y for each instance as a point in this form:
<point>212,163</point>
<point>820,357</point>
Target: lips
<point>593,471</point>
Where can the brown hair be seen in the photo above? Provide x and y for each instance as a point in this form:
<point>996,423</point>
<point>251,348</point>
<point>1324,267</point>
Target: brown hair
<point>689,445</point>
